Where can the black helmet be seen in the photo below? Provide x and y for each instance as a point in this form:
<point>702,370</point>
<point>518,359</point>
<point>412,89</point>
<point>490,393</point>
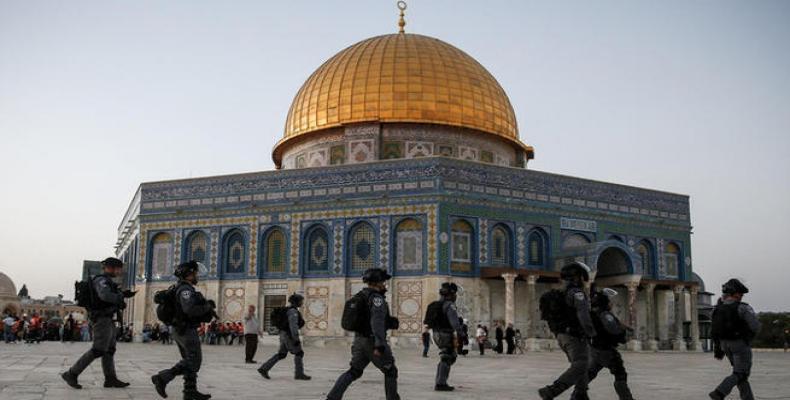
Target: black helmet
<point>373,275</point>
<point>112,262</point>
<point>733,286</point>
<point>296,299</point>
<point>601,299</point>
<point>448,288</point>
<point>574,269</point>
<point>186,268</point>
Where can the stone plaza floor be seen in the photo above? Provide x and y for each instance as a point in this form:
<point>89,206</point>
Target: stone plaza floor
<point>31,372</point>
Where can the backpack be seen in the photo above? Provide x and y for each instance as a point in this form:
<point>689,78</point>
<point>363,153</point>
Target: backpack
<point>279,317</point>
<point>356,314</point>
<point>166,305</point>
<point>83,293</point>
<point>560,316</point>
<point>435,317</point>
<point>727,324</point>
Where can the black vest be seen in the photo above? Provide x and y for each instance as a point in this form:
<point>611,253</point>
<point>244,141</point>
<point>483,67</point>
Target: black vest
<point>727,324</point>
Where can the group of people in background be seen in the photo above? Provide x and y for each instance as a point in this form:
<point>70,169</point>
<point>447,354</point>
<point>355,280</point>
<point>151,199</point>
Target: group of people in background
<point>36,328</point>
<point>509,336</point>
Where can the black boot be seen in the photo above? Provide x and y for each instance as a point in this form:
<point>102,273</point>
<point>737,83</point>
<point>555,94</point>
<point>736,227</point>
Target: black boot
<point>115,383</point>
<point>552,391</point>
<point>71,380</point>
<point>160,384</point>
<point>716,395</point>
<point>302,377</point>
<point>264,373</point>
<point>443,388</point>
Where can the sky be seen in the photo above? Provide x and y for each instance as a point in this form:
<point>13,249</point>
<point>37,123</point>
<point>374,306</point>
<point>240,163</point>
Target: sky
<point>96,97</point>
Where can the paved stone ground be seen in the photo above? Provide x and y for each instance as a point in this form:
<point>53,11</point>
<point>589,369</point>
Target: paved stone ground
<point>31,372</point>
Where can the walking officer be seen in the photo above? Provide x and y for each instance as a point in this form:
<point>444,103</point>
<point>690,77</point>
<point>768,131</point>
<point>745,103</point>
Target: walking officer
<point>107,300</point>
<point>568,315</point>
<point>289,341</point>
<point>368,315</point>
<point>442,317</point>
<point>733,327</point>
<point>610,332</point>
<point>191,310</point>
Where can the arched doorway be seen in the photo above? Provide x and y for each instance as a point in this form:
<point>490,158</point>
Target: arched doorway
<point>613,261</point>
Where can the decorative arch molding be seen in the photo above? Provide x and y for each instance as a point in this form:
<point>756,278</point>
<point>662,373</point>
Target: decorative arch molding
<point>317,249</point>
<point>409,245</point>
<point>273,251</point>
<point>197,247</point>
<point>463,245</point>
<point>605,248</point>
<point>161,251</point>
<point>538,247</point>
<point>362,248</point>
<point>234,252</point>
<point>501,245</point>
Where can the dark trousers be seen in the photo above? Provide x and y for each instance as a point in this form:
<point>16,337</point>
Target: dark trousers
<point>188,344</point>
<point>510,345</point>
<point>613,361</point>
<point>499,346</point>
<point>425,347</point>
<point>361,356</point>
<point>739,353</point>
<point>103,347</point>
<point>251,346</point>
<point>447,356</point>
<point>287,345</point>
<point>577,350</point>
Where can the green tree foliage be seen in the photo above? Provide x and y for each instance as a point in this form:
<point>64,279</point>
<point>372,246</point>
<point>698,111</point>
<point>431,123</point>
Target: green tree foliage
<point>775,330</point>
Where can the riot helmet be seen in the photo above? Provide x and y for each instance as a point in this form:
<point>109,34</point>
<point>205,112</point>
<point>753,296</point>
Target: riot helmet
<point>574,269</point>
<point>186,268</point>
<point>375,275</point>
<point>296,299</point>
<point>734,286</point>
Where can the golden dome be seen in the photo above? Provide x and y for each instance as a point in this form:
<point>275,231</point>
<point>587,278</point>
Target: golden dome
<point>401,78</point>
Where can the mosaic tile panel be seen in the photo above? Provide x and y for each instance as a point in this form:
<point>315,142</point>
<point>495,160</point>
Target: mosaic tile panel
<point>384,242</point>
<point>316,308</point>
<point>483,235</point>
<point>233,303</point>
<point>337,154</point>
<point>409,307</point>
<point>392,150</point>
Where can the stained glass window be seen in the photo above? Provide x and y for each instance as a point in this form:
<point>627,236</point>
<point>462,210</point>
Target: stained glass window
<point>317,250</point>
<point>363,245</point>
<point>537,247</point>
<point>500,246</point>
<point>161,256</point>
<point>275,251</point>
<point>461,246</point>
<point>408,245</point>
<point>671,256</point>
<point>197,249</point>
<point>235,251</point>
<point>646,257</point>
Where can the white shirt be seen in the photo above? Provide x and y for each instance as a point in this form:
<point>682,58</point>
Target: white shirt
<point>251,325</point>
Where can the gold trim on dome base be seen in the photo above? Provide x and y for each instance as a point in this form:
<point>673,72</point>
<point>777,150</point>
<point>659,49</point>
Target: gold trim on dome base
<point>401,78</point>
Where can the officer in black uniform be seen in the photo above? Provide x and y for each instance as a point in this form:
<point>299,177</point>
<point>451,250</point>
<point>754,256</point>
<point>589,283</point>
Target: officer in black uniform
<point>289,341</point>
<point>108,299</point>
<point>192,309</point>
<point>447,333</point>
<point>610,332</point>
<point>574,341</point>
<point>372,346</point>
<point>733,328</point>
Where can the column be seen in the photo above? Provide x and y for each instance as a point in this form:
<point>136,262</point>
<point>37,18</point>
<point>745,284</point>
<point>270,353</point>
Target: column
<point>532,310</point>
<point>634,344</point>
<point>678,344</point>
<point>651,317</point>
<point>510,297</point>
<point>696,345</point>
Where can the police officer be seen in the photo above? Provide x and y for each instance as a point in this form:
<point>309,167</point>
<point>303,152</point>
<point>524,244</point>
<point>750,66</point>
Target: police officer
<point>574,339</point>
<point>610,332</point>
<point>289,341</point>
<point>733,327</point>
<point>372,346</point>
<point>108,299</point>
<point>447,333</point>
<point>192,309</point>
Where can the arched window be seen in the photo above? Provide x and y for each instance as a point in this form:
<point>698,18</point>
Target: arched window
<point>646,256</point>
<point>235,253</point>
<point>408,243</point>
<point>574,240</point>
<point>317,249</point>
<point>671,259</point>
<point>161,256</point>
<point>197,249</point>
<point>500,246</point>
<point>275,252</point>
<point>461,246</point>
<point>363,247</point>
<point>537,248</point>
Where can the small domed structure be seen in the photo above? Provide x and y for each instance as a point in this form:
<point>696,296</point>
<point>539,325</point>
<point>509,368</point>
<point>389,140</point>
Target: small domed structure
<point>9,302</point>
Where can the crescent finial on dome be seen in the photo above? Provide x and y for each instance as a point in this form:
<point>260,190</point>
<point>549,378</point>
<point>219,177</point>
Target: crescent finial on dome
<point>401,21</point>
